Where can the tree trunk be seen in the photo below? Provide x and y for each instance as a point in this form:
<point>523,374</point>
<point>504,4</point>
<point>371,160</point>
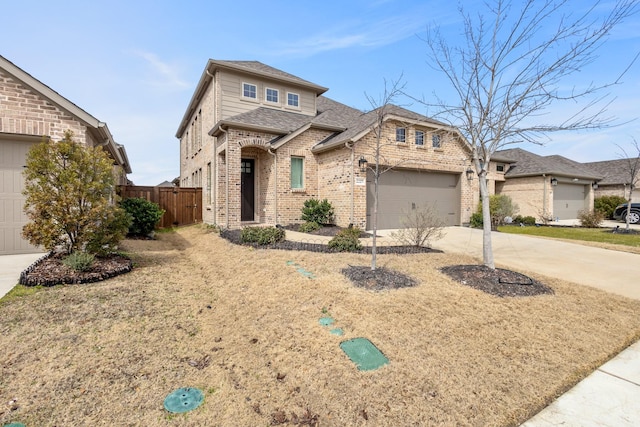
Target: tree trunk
<point>487,249</point>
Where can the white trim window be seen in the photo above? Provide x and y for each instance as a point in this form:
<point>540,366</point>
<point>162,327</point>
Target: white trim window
<point>293,100</point>
<point>401,135</point>
<point>419,138</point>
<point>271,95</point>
<point>297,173</point>
<point>249,91</point>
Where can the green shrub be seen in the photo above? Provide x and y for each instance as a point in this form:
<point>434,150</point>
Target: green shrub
<point>320,212</point>
<point>476,220</point>
<point>112,229</point>
<point>79,261</point>
<point>262,235</point>
<point>529,220</point>
<point>590,219</point>
<point>308,227</point>
<point>607,204</point>
<point>346,240</point>
<point>145,215</point>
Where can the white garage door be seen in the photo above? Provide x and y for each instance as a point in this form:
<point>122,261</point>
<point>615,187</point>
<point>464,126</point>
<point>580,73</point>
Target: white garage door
<point>400,191</point>
<point>12,218</point>
<point>568,200</point>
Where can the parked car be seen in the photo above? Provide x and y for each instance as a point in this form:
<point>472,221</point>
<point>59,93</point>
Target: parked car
<point>620,213</point>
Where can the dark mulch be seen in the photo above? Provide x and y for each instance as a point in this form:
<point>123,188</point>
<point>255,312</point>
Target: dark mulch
<point>325,230</point>
<point>379,279</point>
<point>498,282</point>
<point>234,237</point>
<point>50,271</point>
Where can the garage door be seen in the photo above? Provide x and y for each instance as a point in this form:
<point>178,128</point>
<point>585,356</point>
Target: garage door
<point>400,191</point>
<point>12,218</point>
<point>568,200</point>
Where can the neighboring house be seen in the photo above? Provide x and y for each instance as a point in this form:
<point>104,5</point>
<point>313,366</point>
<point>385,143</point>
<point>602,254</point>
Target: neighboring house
<point>546,187</point>
<point>615,179</point>
<point>260,142</point>
<point>29,112</point>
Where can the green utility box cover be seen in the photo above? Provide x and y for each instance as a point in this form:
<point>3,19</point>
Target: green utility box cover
<point>183,400</point>
<point>364,354</point>
<point>326,321</point>
<point>14,425</point>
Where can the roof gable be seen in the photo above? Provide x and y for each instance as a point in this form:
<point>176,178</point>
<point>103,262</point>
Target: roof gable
<point>530,164</point>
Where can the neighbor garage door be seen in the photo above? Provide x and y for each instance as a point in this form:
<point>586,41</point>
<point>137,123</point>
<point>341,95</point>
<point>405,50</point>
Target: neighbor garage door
<point>12,218</point>
<point>400,191</point>
<point>568,200</point>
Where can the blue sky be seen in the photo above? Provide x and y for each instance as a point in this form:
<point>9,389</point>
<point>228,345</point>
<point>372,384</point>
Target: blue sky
<point>135,64</point>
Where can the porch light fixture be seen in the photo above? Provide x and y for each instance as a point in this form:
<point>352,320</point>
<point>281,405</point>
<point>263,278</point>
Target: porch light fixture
<point>469,173</point>
<point>362,163</point>
<point>554,181</point>
<point>594,185</point>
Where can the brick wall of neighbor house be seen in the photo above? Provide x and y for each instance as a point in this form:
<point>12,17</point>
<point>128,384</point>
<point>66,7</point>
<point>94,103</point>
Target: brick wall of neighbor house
<point>617,190</point>
<point>24,112</point>
<point>529,194</point>
<point>495,178</point>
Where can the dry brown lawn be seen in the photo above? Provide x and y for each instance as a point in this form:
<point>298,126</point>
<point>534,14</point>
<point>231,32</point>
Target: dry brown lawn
<point>242,325</point>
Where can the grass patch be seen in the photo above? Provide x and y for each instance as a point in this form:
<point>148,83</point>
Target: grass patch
<point>199,311</point>
<point>598,235</point>
<point>19,291</point>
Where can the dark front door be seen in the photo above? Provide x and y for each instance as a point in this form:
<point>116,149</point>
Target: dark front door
<point>247,186</point>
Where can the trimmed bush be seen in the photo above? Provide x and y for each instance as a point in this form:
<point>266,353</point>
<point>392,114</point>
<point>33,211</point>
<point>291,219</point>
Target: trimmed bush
<point>262,235</point>
<point>145,215</point>
<point>79,261</point>
<point>308,227</point>
<point>320,212</point>
<point>347,240</point>
<point>590,219</point>
<point>608,204</point>
<point>500,207</point>
<point>529,220</point>
<point>476,220</point>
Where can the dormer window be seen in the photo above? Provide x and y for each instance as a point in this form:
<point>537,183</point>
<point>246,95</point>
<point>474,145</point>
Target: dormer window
<point>249,91</point>
<point>435,141</point>
<point>293,99</point>
<point>271,95</point>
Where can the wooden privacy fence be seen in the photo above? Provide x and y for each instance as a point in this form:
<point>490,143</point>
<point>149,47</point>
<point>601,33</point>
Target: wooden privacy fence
<point>181,205</point>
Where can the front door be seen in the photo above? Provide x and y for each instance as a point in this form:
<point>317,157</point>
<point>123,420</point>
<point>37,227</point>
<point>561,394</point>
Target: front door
<point>247,186</point>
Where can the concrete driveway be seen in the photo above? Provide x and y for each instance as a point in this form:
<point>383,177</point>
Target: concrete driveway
<point>611,271</point>
<point>10,268</point>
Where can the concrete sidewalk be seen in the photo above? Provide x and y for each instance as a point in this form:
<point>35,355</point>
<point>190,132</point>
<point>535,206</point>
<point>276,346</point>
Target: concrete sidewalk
<point>10,268</point>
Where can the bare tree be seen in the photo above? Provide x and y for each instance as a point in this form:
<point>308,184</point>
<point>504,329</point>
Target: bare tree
<point>510,71</point>
<point>632,172</point>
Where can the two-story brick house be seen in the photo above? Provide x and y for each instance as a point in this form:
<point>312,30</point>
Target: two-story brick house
<point>260,142</point>
<point>29,112</point>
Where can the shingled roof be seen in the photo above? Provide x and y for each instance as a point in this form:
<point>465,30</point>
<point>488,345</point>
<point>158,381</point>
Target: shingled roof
<point>613,172</point>
<point>530,164</point>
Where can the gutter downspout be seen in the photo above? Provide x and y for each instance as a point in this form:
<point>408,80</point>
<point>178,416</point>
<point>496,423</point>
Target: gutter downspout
<point>275,165</point>
<point>226,161</point>
<point>349,145</point>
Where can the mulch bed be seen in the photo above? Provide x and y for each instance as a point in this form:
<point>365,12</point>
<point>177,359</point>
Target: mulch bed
<point>379,279</point>
<point>233,236</point>
<point>50,271</point>
<point>498,282</point>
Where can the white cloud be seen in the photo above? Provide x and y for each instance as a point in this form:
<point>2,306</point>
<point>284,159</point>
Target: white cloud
<point>165,74</point>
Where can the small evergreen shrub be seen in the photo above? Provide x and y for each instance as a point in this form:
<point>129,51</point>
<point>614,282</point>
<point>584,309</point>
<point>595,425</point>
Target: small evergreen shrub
<point>608,204</point>
<point>528,220</point>
<point>145,215</point>
<point>308,227</point>
<point>320,212</point>
<point>476,220</point>
<point>262,235</point>
<point>112,229</point>
<point>79,261</point>
<point>347,240</point>
<point>590,219</point>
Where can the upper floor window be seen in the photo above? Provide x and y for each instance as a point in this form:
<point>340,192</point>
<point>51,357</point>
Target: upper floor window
<point>419,137</point>
<point>436,142</point>
<point>249,91</point>
<point>271,95</point>
<point>293,99</point>
<point>500,168</point>
<point>401,134</point>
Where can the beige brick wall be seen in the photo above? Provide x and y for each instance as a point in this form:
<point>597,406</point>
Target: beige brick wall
<point>530,195</point>
<point>22,111</point>
<point>617,190</point>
